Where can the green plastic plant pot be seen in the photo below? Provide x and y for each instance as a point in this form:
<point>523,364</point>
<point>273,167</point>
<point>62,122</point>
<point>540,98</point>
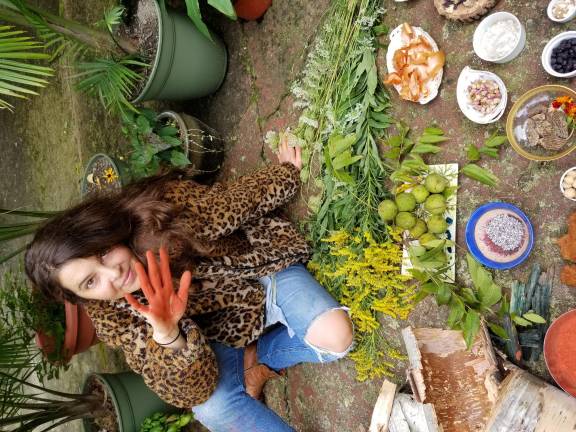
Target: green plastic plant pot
<point>187,64</point>
<point>132,400</point>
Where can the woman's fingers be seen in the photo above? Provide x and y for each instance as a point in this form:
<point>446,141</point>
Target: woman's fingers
<point>144,281</point>
<point>136,304</point>
<point>183,289</point>
<point>153,271</point>
<point>165,270</point>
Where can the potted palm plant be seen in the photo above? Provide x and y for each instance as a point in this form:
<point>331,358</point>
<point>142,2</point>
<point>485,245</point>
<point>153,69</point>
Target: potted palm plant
<point>120,63</point>
<point>18,78</point>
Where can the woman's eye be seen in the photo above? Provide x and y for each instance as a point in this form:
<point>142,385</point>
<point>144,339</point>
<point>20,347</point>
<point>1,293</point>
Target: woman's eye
<point>90,283</point>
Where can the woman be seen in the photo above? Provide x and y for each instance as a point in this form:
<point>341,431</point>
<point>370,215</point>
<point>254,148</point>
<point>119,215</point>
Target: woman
<point>253,309</point>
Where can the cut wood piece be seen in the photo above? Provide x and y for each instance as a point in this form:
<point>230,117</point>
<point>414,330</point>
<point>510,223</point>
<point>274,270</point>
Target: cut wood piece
<point>409,415</point>
<point>383,407</point>
<point>528,404</point>
<point>461,384</point>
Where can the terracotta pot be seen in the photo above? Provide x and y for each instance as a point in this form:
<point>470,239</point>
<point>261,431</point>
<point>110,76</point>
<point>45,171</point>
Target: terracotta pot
<point>80,334</point>
<point>251,9</point>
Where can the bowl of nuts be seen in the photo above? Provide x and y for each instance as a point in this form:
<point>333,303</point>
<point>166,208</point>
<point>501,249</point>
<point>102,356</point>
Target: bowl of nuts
<point>568,184</point>
<point>481,95</point>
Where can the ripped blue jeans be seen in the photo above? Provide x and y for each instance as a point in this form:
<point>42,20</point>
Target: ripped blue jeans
<point>294,299</point>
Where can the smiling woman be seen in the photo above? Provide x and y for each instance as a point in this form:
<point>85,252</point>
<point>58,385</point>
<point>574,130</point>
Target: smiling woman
<point>247,270</point>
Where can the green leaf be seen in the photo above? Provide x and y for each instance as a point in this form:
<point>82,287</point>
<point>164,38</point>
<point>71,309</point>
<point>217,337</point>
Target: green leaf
<point>472,153</point>
<point>504,307</point>
<point>193,11</point>
<point>178,159</point>
<point>225,7</point>
<point>471,327</point>
<point>431,139</point>
<point>521,321</point>
<point>337,144</point>
<point>488,151</point>
<point>496,140</point>
<point>534,317</point>
<point>457,311</point>
<point>498,331</point>
<point>425,148</point>
<point>443,294</point>
<point>343,160</point>
<point>480,174</point>
<point>416,250</point>
<point>469,296</point>
<point>489,294</point>
<point>433,131</point>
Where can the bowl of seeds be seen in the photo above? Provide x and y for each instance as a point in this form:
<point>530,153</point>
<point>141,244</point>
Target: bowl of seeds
<point>568,184</point>
<point>481,95</point>
<point>538,128</point>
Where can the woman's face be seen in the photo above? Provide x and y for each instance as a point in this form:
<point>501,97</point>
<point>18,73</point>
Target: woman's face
<point>106,277</point>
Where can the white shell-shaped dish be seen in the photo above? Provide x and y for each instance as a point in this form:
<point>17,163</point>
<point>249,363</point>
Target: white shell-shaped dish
<point>396,43</point>
<point>467,76</point>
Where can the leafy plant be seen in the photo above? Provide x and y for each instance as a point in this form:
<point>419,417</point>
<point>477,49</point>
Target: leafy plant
<point>42,406</point>
<point>18,78</point>
<point>161,422</point>
<point>489,148</point>
<point>112,77</point>
<point>154,143</point>
<point>24,311</point>
<point>468,306</point>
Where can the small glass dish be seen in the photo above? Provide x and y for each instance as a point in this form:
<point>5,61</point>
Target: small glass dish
<point>519,114</point>
<point>562,188</point>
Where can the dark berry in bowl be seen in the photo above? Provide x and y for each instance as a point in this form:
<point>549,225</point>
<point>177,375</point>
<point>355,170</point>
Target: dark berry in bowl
<point>563,57</point>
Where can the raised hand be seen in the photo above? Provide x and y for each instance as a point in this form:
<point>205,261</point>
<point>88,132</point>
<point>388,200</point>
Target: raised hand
<point>165,306</point>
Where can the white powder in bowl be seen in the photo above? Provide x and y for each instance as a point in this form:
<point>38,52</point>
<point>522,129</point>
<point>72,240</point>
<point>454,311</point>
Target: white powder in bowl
<point>500,39</point>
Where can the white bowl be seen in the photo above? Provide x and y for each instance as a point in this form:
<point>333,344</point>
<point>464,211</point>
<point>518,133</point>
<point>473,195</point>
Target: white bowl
<point>573,169</point>
<point>487,22</point>
<point>563,20</point>
<point>467,76</point>
<point>547,54</point>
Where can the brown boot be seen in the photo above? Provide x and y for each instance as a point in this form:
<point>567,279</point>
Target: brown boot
<point>255,374</point>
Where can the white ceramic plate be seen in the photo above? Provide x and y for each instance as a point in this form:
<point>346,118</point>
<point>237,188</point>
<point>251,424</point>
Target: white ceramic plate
<point>467,76</point>
<point>396,43</point>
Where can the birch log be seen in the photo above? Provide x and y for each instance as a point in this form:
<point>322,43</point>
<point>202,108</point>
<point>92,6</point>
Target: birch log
<point>528,404</point>
<point>461,384</point>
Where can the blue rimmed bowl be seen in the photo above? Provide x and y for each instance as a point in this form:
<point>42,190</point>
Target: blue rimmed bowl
<point>471,238</point>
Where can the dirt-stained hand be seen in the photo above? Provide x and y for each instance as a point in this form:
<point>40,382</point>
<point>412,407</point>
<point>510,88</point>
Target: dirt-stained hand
<point>165,306</point>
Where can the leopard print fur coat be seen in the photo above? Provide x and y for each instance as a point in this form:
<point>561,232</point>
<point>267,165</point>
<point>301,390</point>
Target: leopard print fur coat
<point>246,240</point>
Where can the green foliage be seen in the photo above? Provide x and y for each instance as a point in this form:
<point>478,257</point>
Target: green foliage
<point>193,10</point>
<point>468,306</point>
<point>160,422</point>
<point>112,17</point>
<point>112,81</point>
<point>24,311</point>
<point>18,78</point>
<point>154,143</point>
<point>474,154</point>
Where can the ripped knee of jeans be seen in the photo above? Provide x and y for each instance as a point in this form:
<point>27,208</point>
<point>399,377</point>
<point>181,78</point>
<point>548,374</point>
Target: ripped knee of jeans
<point>346,330</point>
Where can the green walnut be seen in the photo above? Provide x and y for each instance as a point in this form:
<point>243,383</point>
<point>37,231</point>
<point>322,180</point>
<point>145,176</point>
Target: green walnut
<point>425,238</point>
<point>387,210</point>
<point>418,229</point>
<point>435,183</point>
<point>435,204</point>
<point>420,193</point>
<point>405,202</point>
<point>437,224</point>
<point>405,220</point>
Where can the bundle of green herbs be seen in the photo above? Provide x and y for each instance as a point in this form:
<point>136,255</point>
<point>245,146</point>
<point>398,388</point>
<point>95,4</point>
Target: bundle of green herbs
<point>345,113</point>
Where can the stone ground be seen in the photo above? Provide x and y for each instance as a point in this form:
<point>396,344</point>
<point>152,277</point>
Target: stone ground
<point>48,139</point>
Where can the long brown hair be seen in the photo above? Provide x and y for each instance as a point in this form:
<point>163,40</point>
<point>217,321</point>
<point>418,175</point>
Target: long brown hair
<point>136,217</point>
